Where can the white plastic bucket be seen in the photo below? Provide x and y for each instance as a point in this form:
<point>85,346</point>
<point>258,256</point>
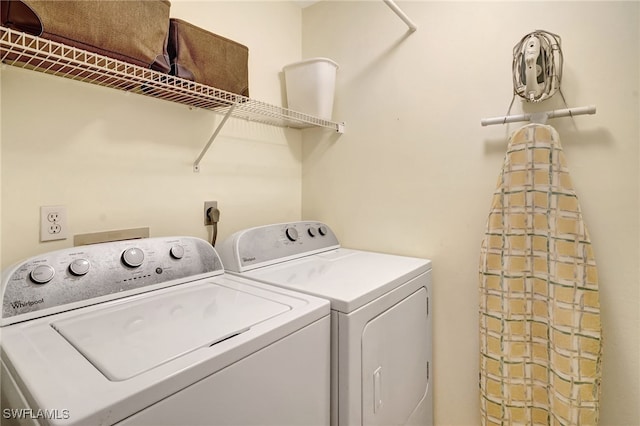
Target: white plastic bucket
<point>310,86</point>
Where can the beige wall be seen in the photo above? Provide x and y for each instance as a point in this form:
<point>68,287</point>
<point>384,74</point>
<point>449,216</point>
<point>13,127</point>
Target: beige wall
<point>118,160</point>
<point>414,172</point>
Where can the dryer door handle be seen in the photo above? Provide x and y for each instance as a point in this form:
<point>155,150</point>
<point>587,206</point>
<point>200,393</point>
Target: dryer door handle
<point>377,389</point>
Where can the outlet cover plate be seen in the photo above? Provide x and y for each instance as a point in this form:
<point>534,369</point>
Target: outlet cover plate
<point>53,223</point>
<point>207,206</point>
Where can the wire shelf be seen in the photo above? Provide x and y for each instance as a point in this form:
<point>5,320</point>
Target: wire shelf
<point>27,51</point>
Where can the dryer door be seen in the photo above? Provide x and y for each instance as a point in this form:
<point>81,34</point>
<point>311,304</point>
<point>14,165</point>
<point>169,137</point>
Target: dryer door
<point>395,355</point>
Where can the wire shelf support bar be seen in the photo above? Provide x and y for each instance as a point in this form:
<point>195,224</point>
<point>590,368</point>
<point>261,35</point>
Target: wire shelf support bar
<point>393,6</point>
<point>196,164</point>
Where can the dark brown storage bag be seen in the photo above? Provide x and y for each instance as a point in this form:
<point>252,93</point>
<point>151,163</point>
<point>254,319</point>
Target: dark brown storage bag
<point>204,57</point>
<point>127,30</point>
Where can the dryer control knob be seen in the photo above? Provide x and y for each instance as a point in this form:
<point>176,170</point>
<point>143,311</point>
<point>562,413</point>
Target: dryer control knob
<point>42,274</point>
<point>312,232</point>
<point>292,234</point>
<point>323,230</point>
<point>133,257</point>
<point>79,267</point>
<point>177,252</point>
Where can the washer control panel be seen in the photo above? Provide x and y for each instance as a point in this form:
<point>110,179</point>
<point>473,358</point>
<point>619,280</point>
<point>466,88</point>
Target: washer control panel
<point>84,275</point>
<point>265,245</point>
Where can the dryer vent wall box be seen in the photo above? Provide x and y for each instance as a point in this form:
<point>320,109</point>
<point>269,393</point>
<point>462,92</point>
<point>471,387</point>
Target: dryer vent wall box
<point>154,331</point>
<point>381,325</point>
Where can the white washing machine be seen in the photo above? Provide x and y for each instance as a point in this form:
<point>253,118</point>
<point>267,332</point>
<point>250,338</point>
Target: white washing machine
<point>380,322</point>
<point>153,332</point>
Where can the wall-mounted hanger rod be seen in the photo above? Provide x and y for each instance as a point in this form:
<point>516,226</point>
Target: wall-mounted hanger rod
<point>402,15</point>
<point>539,117</point>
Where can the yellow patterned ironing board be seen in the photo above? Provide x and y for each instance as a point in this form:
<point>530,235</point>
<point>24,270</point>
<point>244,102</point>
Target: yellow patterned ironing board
<point>540,333</point>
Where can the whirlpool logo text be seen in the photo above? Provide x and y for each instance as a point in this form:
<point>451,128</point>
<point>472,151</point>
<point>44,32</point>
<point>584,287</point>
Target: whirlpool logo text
<point>18,304</point>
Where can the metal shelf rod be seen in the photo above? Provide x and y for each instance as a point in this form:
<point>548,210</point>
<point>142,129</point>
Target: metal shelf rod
<point>539,117</point>
<point>393,6</point>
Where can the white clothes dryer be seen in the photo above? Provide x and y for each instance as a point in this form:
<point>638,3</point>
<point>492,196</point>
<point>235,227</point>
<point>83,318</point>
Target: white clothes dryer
<point>380,322</point>
<point>153,332</point>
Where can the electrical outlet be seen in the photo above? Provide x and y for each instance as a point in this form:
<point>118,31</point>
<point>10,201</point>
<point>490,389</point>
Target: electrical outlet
<point>209,205</point>
<point>53,223</point>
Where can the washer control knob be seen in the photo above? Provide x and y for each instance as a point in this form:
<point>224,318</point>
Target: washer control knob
<point>323,230</point>
<point>133,257</point>
<point>292,234</point>
<point>42,274</point>
<point>79,267</point>
<point>312,232</point>
<point>177,252</point>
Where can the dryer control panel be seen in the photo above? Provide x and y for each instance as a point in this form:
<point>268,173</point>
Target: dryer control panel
<point>80,276</point>
<point>266,245</point>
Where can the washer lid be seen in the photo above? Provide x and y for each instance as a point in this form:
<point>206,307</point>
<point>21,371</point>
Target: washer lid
<point>124,340</point>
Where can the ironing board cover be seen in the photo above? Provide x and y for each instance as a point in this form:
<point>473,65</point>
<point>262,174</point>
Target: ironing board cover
<point>540,332</point>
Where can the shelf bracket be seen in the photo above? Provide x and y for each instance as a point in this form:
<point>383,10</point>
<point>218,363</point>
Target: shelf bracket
<point>196,164</point>
<point>412,26</point>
